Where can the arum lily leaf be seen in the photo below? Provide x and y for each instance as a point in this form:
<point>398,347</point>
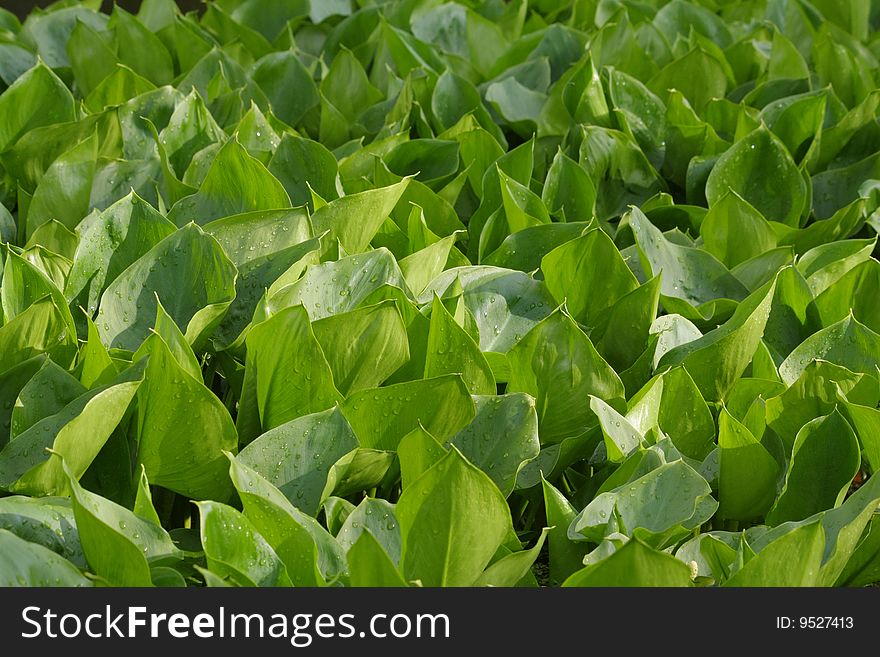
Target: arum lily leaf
<point>558,365</point>
<point>445,500</point>
<point>128,305</point>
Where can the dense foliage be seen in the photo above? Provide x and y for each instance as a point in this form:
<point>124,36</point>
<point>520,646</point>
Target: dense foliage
<point>464,293</point>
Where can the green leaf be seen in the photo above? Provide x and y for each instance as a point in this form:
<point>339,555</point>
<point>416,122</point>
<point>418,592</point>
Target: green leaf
<point>430,160</point>
<point>235,549</point>
<point>734,231</point>
<point>486,41</point>
<point>627,325</point>
<point>236,183</point>
<point>49,390</point>
<point>847,343</point>
<point>455,97</point>
<point>418,451</point>
<point>814,394</point>
<point>369,564</point>
<point>94,364</point>
<point>679,18</point>
<point>212,580</point>
<point>32,462</point>
<point>687,503</point>
<point>716,360</point>
<point>287,84</point>
<point>861,568</point>
<point>568,191</point>
<point>506,304</point>
<point>188,271</point>
<point>823,265</point>
<point>339,286</point>
<point>522,207</point>
<point>257,135</point>
<point>12,382</point>
<point>190,129</point>
<point>53,237</point>
<point>621,438</point>
<point>302,166</point>
<point>512,568</point>
<point>786,61</point>
<point>176,342</point>
<point>639,113</point>
<point>92,56</point>
<point>286,374</point>
<point>119,546</point>
<point>713,556</point>
<point>760,169</point>
<point>502,437</point>
<point>690,274</point>
<point>376,517</point>
<point>364,346</point>
<point>296,457</point>
<point>839,67</point>
<point>38,98</point>
<point>557,364</point>
<point>260,267</point>
<point>865,421</point>
<point>17,59</point>
<point>347,87</point>
<point>143,502</point>
<point>518,164</point>
<point>797,121</point>
<point>110,242</point>
<point>844,528</point>
<point>423,266</point>
<point>566,556</point>
<point>758,270</point>
<point>588,274</point>
<point>63,192</point>
<point>452,351</point>
<point>748,473</point>
<point>517,105</point>
<point>24,284</point>
<point>28,564</point>
<point>525,249</point>
<point>336,510</point>
<point>452,521</point>
<point>41,329</point>
<point>140,49</point>
<point>619,169</point>
<point>228,29</point>
<point>672,403</point>
<point>334,130</point>
<point>46,521</point>
<point>120,86</point>
<point>787,325</point>
<point>791,560</point>
<point>853,292</point>
<point>8,229</point>
<point>55,267</point>
<point>371,207</point>
<point>183,428</point>
<point>698,75</point>
<point>824,460</point>
<point>441,406</point>
<point>634,564</point>
<point>836,137</point>
<point>360,470</point>
<point>310,554</point>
